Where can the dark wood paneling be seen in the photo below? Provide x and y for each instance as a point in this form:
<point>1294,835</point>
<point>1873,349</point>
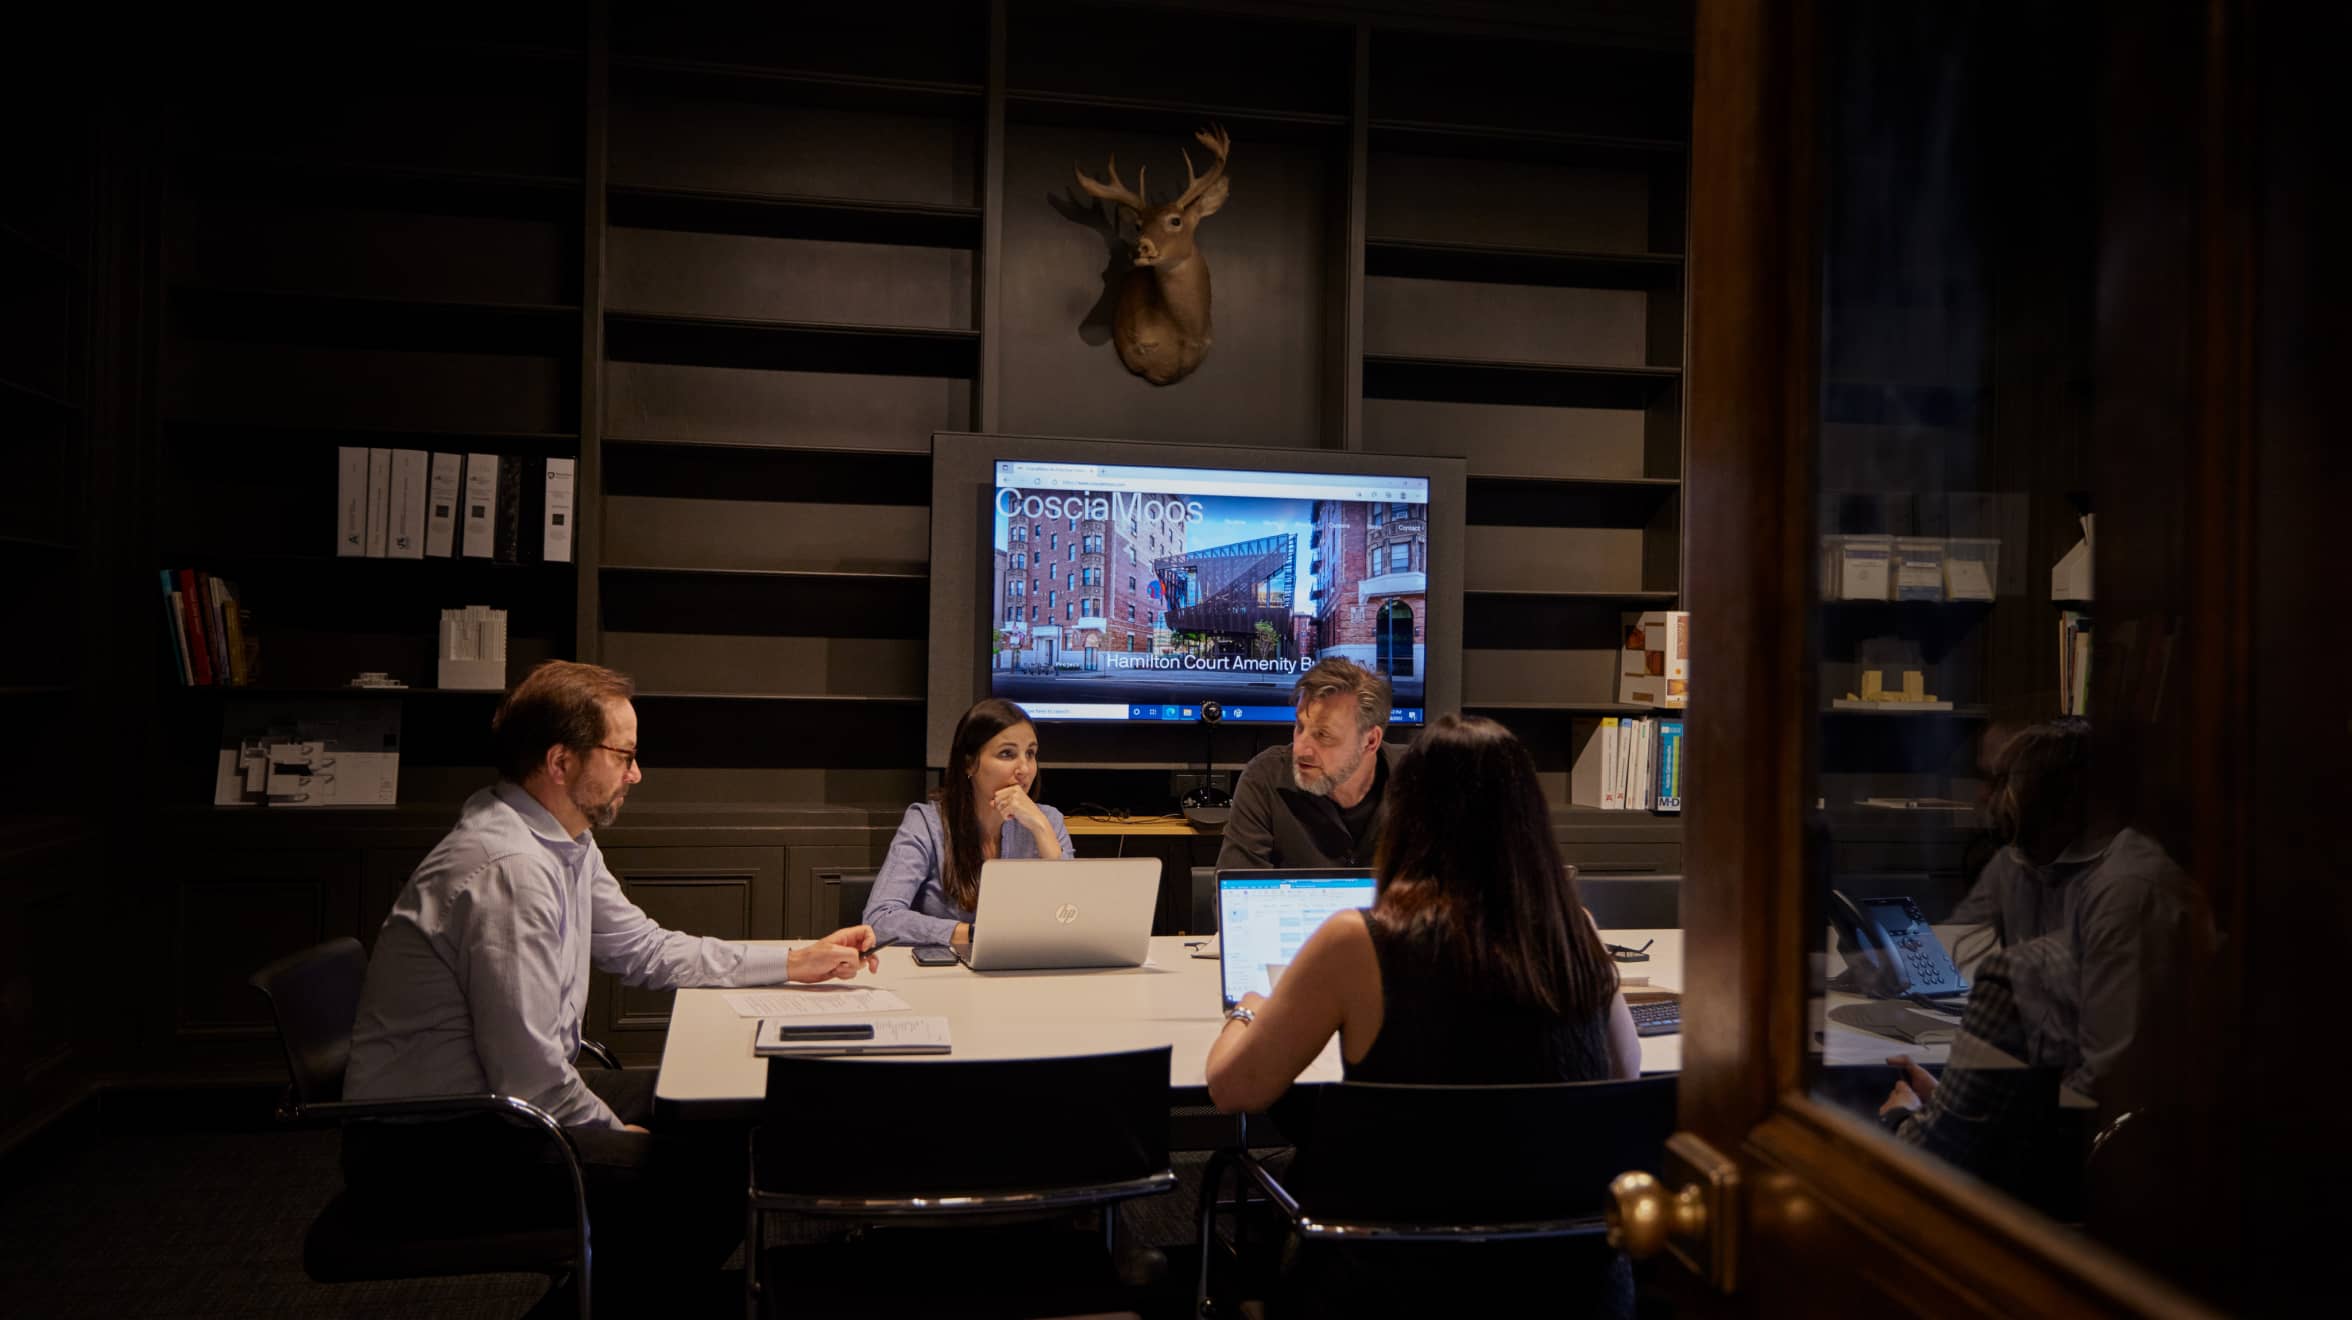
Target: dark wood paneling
<point>446,109</point>
<point>291,385</point>
<point>741,147</point>
<point>783,279</point>
<point>803,409</point>
<point>926,40</point>
<point>1262,382</point>
<point>1554,559</point>
<point>706,662</point>
<point>1505,322</point>
<point>1515,440</point>
<point>239,912</point>
<point>724,893</point>
<point>1502,203</point>
<point>1206,59</point>
<point>1428,77</point>
<point>743,534</point>
<point>751,604</point>
<point>278,243</point>
<point>38,316</point>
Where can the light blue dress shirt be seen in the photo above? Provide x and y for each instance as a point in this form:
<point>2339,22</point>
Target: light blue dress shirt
<point>480,974</point>
<point>907,904</point>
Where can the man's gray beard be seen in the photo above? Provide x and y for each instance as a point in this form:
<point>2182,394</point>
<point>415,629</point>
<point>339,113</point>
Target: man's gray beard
<point>1320,788</point>
<point>600,816</point>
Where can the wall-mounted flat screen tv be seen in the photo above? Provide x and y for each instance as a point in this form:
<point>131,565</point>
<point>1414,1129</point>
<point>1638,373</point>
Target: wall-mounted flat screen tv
<point>1132,593</point>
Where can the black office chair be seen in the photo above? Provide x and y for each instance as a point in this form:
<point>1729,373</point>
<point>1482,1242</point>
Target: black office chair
<point>1005,1140</point>
<point>1392,1170</point>
<point>314,997</point>
<point>850,900</point>
<point>1632,902</point>
<point>1205,917</point>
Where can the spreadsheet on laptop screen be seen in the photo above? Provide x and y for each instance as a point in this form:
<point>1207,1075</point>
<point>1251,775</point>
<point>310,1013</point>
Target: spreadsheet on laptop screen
<point>1261,922</point>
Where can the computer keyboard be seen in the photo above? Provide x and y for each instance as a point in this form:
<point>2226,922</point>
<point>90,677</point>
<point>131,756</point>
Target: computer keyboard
<point>1657,1017</point>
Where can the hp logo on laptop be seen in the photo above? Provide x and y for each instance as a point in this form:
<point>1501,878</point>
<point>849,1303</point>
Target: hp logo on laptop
<point>1066,913</point>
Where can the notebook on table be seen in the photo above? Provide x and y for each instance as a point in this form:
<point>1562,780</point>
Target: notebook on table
<point>878,1036</point>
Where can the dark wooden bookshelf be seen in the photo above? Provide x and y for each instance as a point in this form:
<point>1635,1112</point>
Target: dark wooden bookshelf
<point>1551,147</point>
<point>1502,264</point>
<point>1560,384</point>
<point>1175,120</point>
<point>311,181</point>
<point>37,395</point>
<point>16,542</point>
<point>19,239</point>
<point>718,341</point>
<point>1959,711</point>
<point>270,316</point>
<point>688,470</point>
<point>762,215</point>
<point>714,80</point>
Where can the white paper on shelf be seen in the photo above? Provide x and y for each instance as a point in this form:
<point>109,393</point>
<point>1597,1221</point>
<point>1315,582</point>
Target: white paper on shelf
<point>814,1001</point>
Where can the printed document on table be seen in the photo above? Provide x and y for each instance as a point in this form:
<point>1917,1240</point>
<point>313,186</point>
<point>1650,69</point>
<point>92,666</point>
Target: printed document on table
<point>813,1001</point>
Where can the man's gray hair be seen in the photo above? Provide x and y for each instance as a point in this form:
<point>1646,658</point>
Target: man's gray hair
<point>1334,677</point>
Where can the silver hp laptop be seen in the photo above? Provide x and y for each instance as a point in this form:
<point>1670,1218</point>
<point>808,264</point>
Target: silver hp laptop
<point>1079,912</point>
<point>1264,916</point>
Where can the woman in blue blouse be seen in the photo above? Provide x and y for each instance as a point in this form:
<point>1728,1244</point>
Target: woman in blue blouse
<point>985,807</point>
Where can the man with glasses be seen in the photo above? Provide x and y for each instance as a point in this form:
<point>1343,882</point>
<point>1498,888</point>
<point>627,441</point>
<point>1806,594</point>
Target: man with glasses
<point>480,977</point>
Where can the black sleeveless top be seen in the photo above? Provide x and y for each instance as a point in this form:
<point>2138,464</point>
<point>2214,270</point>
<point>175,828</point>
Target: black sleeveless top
<point>1438,1029</point>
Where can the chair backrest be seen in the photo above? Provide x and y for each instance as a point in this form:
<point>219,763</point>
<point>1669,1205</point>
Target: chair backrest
<point>950,1127</point>
<point>854,890</point>
<point>1438,1155</point>
<point>1205,916</point>
<point>314,996</point>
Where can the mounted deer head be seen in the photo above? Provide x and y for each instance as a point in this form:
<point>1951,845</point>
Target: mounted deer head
<point>1162,329</point>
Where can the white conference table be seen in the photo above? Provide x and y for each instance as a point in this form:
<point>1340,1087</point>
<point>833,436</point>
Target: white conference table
<point>708,1069</point>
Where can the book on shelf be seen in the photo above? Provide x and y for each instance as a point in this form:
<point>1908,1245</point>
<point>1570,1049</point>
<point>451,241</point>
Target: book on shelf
<point>1669,766</point>
<point>326,753</point>
<point>1627,763</point>
<point>2074,663</point>
<point>206,625</point>
<point>1653,666</point>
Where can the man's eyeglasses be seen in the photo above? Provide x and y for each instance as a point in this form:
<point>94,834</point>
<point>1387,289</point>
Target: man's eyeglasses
<point>628,755</point>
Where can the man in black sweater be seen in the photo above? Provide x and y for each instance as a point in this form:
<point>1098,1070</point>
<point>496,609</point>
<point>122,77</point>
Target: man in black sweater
<point>1317,801</point>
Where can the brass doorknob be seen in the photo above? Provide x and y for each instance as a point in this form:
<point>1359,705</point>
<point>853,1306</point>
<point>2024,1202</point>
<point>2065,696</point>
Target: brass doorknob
<point>1644,1216</point>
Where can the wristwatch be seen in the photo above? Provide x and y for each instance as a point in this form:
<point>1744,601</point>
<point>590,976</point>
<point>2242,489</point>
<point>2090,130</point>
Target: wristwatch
<point>1241,1014</point>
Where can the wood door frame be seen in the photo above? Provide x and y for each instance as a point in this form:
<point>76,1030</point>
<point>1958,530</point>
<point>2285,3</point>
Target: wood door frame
<point>1848,1216</point>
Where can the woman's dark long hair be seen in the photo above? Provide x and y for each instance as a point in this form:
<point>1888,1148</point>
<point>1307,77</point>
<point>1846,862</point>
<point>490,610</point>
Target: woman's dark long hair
<point>1467,863</point>
<point>959,812</point>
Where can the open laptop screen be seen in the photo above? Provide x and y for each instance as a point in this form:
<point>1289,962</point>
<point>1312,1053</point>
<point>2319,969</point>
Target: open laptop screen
<point>1264,916</point>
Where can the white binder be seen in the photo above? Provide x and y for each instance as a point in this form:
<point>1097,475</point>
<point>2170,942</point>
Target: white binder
<point>481,505</point>
<point>557,547</point>
<point>379,503</point>
<point>351,495</point>
<point>408,504</point>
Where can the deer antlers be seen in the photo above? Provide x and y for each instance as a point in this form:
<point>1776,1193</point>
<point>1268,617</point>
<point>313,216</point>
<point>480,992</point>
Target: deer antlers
<point>1116,191</point>
<point>1196,186</point>
<point>1220,146</point>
